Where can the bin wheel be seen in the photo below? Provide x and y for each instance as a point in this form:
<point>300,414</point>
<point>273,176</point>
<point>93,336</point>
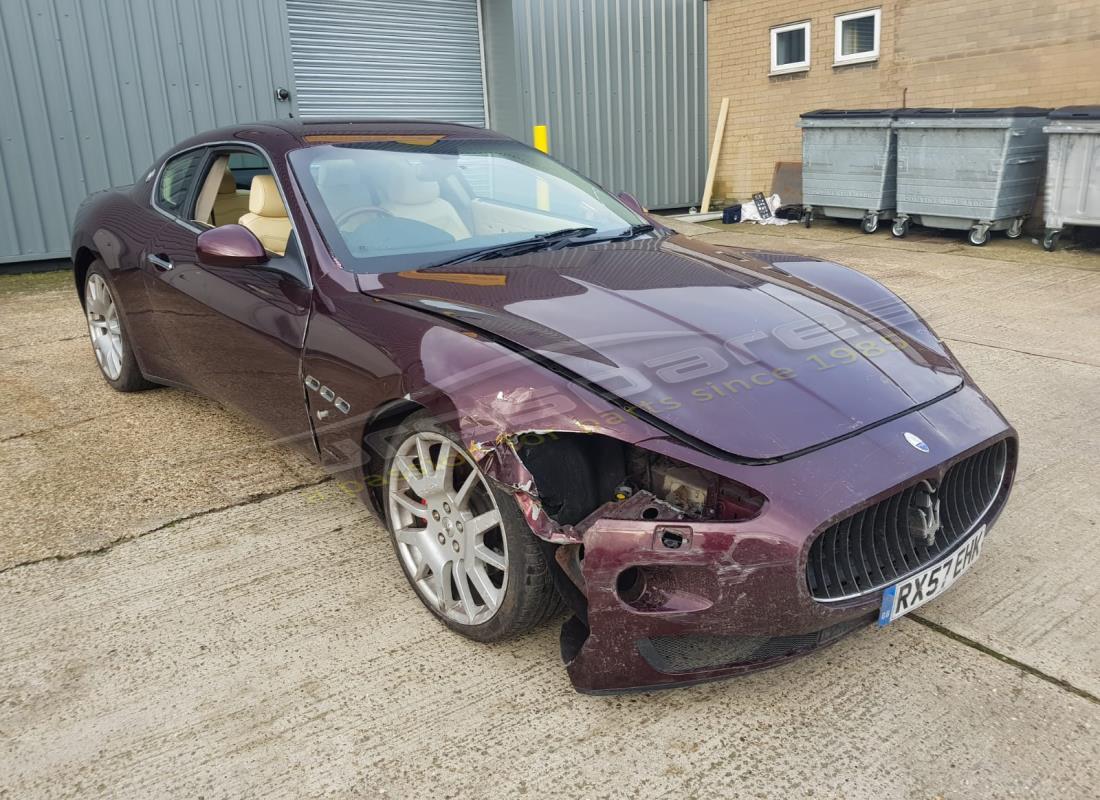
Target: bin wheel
<point>1016,229</point>
<point>979,235</point>
<point>870,223</point>
<point>901,227</point>
<point>807,218</point>
<point>1050,240</point>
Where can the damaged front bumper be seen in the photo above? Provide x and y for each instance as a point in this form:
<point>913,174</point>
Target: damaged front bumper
<point>661,600</point>
<point>671,604</point>
<point>664,600</point>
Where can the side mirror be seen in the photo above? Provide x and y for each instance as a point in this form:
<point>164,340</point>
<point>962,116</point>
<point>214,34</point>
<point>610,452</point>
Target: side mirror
<point>631,202</point>
<point>230,246</point>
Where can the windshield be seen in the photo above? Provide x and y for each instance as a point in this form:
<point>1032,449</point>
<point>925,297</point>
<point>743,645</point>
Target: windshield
<point>411,202</point>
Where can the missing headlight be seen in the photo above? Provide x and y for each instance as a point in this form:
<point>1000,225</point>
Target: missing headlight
<point>697,493</point>
<point>580,477</point>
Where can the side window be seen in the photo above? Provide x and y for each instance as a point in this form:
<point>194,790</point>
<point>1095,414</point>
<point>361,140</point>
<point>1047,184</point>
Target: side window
<point>245,166</point>
<point>226,185</point>
<point>176,181</point>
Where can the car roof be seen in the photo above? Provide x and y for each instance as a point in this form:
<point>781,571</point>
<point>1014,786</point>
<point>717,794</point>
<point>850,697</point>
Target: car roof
<point>319,127</point>
<point>280,136</point>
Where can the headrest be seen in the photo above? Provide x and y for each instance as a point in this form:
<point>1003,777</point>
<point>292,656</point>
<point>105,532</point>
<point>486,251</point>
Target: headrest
<point>403,187</point>
<point>263,197</point>
<point>228,184</point>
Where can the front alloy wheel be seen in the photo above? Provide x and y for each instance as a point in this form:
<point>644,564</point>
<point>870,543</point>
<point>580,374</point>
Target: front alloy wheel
<point>448,529</point>
<point>462,542</point>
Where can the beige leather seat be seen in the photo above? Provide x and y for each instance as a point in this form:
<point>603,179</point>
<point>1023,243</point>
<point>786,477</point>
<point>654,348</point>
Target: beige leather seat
<point>406,195</point>
<point>230,204</point>
<point>266,215</point>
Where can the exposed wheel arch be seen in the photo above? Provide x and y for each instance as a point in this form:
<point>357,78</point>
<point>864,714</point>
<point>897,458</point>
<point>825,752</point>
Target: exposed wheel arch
<point>388,415</point>
<point>82,261</point>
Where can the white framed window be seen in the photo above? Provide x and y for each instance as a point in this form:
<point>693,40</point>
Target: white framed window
<point>791,48</point>
<point>857,36</point>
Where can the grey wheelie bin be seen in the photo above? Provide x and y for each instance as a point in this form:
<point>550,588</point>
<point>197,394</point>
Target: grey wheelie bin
<point>968,168</point>
<point>848,165</point>
<point>1073,170</point>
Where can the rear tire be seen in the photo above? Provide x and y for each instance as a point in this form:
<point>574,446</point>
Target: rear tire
<point>461,540</point>
<point>107,331</point>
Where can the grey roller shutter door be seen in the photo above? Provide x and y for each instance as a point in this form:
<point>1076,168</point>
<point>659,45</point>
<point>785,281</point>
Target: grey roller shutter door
<point>388,59</point>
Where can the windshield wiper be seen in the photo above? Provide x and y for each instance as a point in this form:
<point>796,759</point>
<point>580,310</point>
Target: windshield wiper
<point>539,241</point>
<point>629,233</point>
<point>637,230</point>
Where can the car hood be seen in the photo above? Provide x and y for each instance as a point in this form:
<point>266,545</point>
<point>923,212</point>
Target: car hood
<point>728,349</point>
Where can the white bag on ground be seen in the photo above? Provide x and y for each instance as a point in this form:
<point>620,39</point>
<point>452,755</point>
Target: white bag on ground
<point>750,214</point>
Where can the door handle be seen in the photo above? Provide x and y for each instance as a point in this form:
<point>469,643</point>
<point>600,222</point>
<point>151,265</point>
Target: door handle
<point>161,262</point>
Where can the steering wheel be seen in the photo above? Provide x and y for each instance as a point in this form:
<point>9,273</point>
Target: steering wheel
<point>354,213</point>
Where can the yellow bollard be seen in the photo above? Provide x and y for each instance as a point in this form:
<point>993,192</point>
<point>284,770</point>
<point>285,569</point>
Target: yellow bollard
<point>542,188</point>
<point>542,141</point>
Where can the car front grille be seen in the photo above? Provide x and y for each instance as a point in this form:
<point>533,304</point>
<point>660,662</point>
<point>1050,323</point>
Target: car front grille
<point>696,652</point>
<point>883,543</point>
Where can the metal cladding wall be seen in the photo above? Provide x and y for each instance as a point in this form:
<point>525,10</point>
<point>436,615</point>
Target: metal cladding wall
<point>398,59</point>
<point>92,91</point>
<point>621,85</point>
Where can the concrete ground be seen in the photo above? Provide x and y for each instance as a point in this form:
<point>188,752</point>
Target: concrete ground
<point>187,610</point>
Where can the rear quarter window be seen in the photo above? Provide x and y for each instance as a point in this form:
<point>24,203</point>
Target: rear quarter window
<point>177,179</point>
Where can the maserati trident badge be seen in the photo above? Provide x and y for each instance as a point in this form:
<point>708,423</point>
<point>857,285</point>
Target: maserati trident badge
<point>924,514</point>
<point>917,442</point>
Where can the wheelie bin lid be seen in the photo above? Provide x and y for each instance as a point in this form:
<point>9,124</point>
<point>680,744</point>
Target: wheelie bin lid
<point>1010,111</point>
<point>850,113</point>
<point>1076,112</point>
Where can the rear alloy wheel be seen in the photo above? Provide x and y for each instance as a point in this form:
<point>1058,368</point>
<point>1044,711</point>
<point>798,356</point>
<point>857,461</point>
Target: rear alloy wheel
<point>461,541</point>
<point>112,352</point>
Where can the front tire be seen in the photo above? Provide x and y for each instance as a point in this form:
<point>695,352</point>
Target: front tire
<point>107,332</point>
<point>460,539</point>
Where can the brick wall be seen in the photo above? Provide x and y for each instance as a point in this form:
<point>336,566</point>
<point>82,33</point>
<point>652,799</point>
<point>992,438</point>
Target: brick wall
<point>932,53</point>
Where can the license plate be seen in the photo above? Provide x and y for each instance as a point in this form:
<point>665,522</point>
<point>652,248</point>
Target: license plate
<point>901,598</point>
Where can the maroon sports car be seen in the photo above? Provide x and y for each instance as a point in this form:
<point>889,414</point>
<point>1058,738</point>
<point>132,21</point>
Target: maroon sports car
<point>715,459</point>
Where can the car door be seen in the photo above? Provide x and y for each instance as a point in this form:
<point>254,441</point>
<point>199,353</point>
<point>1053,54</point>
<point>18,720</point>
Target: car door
<point>173,188</point>
<point>236,333</point>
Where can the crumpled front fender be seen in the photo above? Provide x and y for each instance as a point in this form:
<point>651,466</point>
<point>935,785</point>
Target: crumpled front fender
<point>498,400</point>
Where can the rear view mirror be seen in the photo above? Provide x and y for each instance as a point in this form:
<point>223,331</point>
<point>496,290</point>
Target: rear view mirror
<point>230,246</point>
